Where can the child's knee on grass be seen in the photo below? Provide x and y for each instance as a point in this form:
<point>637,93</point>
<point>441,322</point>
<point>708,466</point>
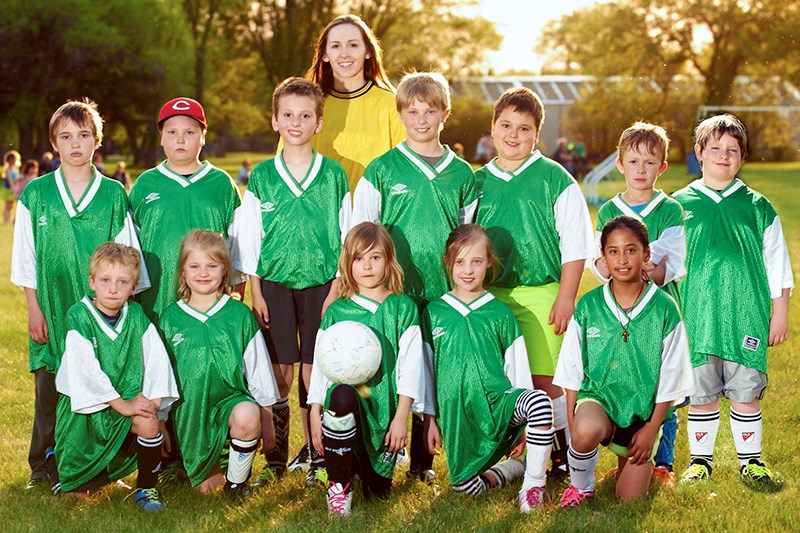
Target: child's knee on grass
<point>633,480</point>
<point>245,421</point>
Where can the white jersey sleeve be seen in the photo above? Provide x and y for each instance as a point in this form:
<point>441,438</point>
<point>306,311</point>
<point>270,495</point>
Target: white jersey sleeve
<point>237,276</point>
<point>467,213</point>
<point>80,377</point>
<point>597,257</point>
<point>429,402</point>
<point>776,259</point>
<point>23,251</point>
<point>569,370</point>
<point>158,380</point>
<point>516,366</point>
<point>573,225</point>
<point>410,375</point>
<point>130,237</point>
<point>250,233</point>
<point>258,372</point>
<point>318,385</point>
<point>672,245</point>
<point>676,380</point>
<point>366,203</point>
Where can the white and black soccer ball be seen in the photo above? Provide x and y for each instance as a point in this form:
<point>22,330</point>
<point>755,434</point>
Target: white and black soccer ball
<point>348,352</point>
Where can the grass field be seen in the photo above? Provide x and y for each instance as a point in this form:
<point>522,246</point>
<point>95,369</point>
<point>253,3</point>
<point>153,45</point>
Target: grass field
<point>724,504</point>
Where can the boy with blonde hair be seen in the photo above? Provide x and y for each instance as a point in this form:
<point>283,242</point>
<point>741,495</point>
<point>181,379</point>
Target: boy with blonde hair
<point>61,218</point>
<point>420,191</point>
<point>115,378</point>
<point>735,299</point>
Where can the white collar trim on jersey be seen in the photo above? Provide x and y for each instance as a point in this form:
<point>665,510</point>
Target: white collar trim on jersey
<point>88,194</point>
<point>112,332</point>
<point>366,303</point>
<point>298,187</point>
<point>205,168</point>
<point>638,307</point>
<point>199,315</point>
<point>717,196</point>
<point>424,167</point>
<point>508,176</point>
<point>654,202</point>
<point>466,309</point>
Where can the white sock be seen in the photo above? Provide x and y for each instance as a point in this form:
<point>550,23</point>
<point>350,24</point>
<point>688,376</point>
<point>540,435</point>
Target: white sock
<point>581,469</point>
<point>702,428</point>
<point>746,429</point>
<point>560,413</point>
<point>539,443</point>
<point>242,453</point>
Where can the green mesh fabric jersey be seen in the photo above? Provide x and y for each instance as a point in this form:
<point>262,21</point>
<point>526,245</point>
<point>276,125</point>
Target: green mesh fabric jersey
<point>54,236</point>
<point>167,206</point>
<point>480,367</point>
<point>663,217</point>
<point>102,363</point>
<point>736,262</point>
<point>292,231</point>
<point>395,321</point>
<point>626,378</point>
<point>537,219</point>
<point>419,205</point>
<point>220,360</point>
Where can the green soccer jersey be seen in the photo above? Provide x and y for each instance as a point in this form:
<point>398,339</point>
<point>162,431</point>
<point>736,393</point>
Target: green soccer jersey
<point>420,205</point>
<point>220,360</point>
<point>627,361</point>
<point>54,236</point>
<point>480,367</point>
<point>663,217</point>
<point>292,231</point>
<point>736,261</point>
<point>395,321</point>
<point>537,219</point>
<point>167,206</point>
<point>102,363</point>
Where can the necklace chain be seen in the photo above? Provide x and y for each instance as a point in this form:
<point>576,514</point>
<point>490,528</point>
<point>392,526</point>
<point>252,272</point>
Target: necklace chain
<point>625,333</point>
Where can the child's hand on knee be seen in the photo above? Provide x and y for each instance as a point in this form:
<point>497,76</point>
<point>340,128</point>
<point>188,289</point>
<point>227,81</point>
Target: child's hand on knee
<point>641,446</point>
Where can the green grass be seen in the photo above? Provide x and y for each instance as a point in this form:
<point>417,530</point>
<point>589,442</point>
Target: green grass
<point>724,504</point>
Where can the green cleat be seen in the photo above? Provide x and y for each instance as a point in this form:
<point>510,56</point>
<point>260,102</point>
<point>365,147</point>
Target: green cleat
<point>756,476</point>
<point>699,470</point>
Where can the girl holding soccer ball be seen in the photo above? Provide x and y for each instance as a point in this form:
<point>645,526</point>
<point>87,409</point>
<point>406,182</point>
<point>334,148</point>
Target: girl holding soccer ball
<point>360,431</point>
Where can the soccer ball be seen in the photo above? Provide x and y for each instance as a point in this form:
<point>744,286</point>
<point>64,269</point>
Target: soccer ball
<point>348,352</point>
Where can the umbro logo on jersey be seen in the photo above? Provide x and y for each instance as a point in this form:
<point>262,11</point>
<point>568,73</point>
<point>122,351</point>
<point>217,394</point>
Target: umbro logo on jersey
<point>593,333</point>
<point>152,197</point>
<point>747,436</point>
<point>399,189</point>
<point>701,436</point>
<point>177,339</point>
<point>94,342</point>
<point>43,220</point>
<point>267,207</point>
<point>437,332</point>
<point>750,343</point>
<point>687,215</point>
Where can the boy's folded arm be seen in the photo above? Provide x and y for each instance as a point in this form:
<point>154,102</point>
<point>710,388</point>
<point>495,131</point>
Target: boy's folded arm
<point>81,378</point>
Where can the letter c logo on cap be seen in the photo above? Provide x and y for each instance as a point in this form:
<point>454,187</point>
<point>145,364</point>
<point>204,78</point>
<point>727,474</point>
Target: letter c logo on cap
<point>181,105</point>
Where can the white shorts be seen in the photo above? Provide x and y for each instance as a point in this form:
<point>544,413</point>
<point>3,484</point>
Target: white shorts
<point>719,378</point>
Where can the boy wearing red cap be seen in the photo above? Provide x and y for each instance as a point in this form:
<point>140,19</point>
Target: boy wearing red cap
<point>179,195</point>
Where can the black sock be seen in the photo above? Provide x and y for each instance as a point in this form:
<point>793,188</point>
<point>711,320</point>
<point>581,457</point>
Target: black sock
<point>339,433</point>
<point>421,459</point>
<point>559,453</point>
<point>278,456</point>
<point>148,456</point>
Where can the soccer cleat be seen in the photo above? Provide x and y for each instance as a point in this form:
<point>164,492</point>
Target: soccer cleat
<point>52,472</point>
<point>316,476</point>
<point>301,461</point>
<point>572,497</point>
<point>340,499</point>
<point>756,476</point>
<point>236,491</point>
<point>533,499</point>
<point>559,472</point>
<point>507,471</point>
<point>402,459</point>
<point>34,482</point>
<point>698,470</point>
<point>663,476</point>
<point>148,499</point>
<point>267,476</point>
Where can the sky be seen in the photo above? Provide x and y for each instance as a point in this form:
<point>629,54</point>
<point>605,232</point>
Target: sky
<point>520,22</point>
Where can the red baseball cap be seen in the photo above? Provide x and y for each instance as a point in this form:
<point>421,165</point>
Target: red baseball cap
<point>182,106</point>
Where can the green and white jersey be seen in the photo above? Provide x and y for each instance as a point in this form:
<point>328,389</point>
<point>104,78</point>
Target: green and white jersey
<point>220,360</point>
<point>54,237</point>
<point>102,363</point>
<point>167,206</point>
<point>420,205</point>
<point>736,262</point>
<point>663,217</point>
<point>292,231</point>
<point>537,219</point>
<point>480,367</point>
<point>626,378</point>
<point>395,321</point>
